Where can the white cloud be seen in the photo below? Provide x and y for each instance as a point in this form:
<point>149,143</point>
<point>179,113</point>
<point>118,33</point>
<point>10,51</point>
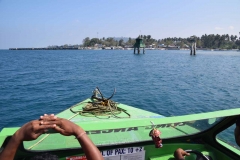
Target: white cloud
<point>231,27</point>
<point>218,28</point>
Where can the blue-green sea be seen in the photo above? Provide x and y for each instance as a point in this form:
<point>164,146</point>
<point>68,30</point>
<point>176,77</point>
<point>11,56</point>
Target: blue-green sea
<point>166,82</point>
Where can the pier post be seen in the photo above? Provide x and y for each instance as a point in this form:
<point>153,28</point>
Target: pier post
<point>134,50</point>
<point>143,50</point>
<point>193,47</point>
<point>194,52</point>
<point>138,50</point>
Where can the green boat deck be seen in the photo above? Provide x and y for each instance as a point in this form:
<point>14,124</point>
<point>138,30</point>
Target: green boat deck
<point>103,130</point>
<point>129,137</point>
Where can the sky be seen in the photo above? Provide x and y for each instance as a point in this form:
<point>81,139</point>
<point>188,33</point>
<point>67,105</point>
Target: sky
<point>40,23</point>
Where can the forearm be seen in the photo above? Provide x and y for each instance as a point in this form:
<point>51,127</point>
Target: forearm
<point>90,150</point>
<point>180,158</point>
<point>237,135</point>
<point>9,151</point>
<point>180,153</point>
<point>66,127</point>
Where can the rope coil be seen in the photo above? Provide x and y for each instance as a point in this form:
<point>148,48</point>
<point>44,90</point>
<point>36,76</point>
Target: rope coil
<point>101,107</point>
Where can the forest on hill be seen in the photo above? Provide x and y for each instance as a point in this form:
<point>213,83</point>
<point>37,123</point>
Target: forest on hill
<point>210,41</point>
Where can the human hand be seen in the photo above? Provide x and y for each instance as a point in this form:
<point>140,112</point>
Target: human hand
<point>32,130</point>
<point>180,153</point>
<point>63,126</point>
<point>67,128</point>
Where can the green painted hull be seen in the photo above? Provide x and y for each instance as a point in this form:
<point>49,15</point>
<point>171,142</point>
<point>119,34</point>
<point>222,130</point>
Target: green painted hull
<point>102,129</point>
<point>111,133</point>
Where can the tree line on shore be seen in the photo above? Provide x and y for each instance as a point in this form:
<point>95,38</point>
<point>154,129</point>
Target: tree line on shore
<point>210,41</point>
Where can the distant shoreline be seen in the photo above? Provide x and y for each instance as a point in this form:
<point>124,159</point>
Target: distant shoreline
<point>115,48</point>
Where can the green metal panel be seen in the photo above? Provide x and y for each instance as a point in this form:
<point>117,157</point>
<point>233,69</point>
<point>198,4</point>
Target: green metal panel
<point>123,131</point>
<point>228,146</point>
<point>139,43</point>
<point>110,131</point>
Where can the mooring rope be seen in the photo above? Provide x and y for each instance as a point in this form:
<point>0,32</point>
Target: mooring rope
<point>99,108</point>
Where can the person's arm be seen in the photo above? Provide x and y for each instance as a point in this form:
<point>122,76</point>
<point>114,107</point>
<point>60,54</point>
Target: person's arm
<point>180,153</point>
<point>237,135</point>
<point>91,151</point>
<point>67,128</point>
<point>9,151</point>
<point>237,131</point>
<point>30,131</point>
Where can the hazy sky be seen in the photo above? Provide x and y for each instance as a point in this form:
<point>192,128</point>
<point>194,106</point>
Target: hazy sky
<point>39,23</point>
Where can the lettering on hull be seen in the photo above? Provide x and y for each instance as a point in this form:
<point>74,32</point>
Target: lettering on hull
<point>129,129</point>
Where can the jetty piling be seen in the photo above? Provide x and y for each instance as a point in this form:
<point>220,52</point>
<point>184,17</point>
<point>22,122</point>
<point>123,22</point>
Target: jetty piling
<point>193,47</point>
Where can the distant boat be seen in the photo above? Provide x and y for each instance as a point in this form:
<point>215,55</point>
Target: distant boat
<point>107,48</point>
<point>97,48</point>
<point>128,48</point>
<point>149,48</point>
<point>161,49</point>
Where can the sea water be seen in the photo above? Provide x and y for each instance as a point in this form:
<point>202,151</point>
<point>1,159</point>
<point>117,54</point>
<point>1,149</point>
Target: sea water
<point>166,82</point>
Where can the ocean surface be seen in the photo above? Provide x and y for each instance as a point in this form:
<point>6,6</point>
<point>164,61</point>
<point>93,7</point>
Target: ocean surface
<point>166,82</point>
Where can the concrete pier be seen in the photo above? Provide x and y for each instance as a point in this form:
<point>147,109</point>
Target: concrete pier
<point>59,48</point>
